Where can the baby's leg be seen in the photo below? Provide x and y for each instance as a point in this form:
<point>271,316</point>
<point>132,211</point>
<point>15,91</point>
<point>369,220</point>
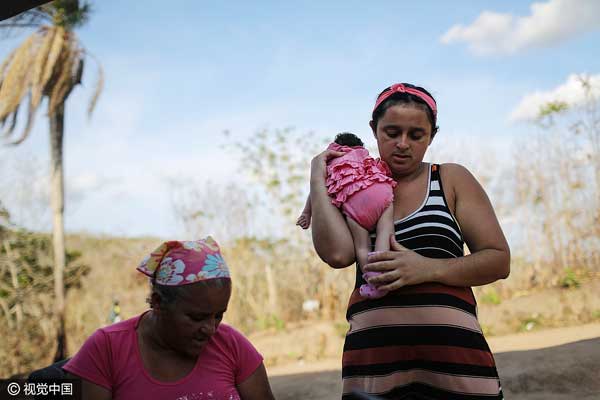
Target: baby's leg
<point>385,228</point>
<point>304,218</point>
<point>362,243</point>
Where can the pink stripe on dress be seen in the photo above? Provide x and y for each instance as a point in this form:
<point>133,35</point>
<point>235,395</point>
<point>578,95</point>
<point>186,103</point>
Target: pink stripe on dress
<point>452,383</point>
<point>431,315</point>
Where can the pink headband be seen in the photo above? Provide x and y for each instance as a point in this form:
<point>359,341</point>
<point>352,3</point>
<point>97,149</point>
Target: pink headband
<point>176,263</point>
<point>400,88</point>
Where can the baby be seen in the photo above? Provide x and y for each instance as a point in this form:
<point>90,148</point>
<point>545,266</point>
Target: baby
<point>362,187</point>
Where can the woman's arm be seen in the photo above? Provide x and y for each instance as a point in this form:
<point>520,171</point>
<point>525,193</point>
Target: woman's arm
<point>331,237</point>
<point>490,255</point>
<point>256,387</point>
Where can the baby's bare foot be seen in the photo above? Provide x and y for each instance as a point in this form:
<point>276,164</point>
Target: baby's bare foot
<point>303,221</point>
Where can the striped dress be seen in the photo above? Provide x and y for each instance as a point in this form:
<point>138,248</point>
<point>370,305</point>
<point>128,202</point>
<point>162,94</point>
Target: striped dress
<point>421,341</point>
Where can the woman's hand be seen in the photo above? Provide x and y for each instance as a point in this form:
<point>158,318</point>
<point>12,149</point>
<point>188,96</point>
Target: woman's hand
<point>399,267</point>
<point>318,165</point>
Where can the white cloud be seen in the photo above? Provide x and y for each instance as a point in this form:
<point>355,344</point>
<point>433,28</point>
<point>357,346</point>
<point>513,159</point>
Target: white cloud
<point>85,184</point>
<point>88,181</point>
<point>570,92</point>
<point>549,23</point>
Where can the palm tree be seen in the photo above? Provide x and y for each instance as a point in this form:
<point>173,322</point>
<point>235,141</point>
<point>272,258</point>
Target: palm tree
<point>47,65</point>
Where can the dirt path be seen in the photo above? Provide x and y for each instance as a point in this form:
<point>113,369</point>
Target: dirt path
<point>562,363</point>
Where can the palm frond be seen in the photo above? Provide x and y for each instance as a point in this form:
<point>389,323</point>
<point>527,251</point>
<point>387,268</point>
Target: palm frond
<point>53,55</point>
<point>49,63</point>
<point>97,89</point>
<point>78,68</point>
<point>39,64</point>
<point>30,119</point>
<point>5,65</point>
<point>16,81</point>
<point>64,78</point>
<point>11,125</point>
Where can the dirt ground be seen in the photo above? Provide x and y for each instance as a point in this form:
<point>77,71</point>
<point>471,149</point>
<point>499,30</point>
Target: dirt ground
<point>552,364</point>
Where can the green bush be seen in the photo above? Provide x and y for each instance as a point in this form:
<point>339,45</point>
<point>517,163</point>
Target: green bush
<point>491,296</point>
<point>569,280</point>
<point>530,323</point>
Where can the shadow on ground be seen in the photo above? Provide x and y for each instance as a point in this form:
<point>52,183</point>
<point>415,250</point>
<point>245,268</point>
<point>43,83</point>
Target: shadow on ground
<point>568,371</point>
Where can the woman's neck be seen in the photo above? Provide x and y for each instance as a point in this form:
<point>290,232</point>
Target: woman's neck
<point>152,334</point>
<point>410,175</point>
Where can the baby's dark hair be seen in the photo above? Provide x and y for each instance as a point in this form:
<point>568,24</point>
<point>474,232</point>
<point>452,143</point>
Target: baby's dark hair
<point>348,139</point>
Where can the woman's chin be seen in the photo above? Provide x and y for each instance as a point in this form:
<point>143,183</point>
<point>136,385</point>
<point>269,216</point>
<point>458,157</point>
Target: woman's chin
<point>195,347</point>
<point>401,164</point>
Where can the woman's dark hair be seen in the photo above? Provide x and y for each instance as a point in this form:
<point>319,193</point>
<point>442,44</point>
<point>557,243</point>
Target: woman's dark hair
<point>405,98</point>
<point>348,139</point>
<point>170,294</point>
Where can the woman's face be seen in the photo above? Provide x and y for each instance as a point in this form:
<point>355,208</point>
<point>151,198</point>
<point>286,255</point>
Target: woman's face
<point>403,134</point>
<point>190,322</point>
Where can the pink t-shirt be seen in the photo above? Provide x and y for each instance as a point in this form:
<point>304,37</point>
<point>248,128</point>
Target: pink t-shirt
<point>111,358</point>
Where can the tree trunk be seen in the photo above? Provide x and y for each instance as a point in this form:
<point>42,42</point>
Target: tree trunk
<point>273,304</point>
<point>57,190</point>
<point>12,266</point>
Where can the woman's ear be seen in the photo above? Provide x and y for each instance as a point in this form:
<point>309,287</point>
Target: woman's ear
<point>373,127</point>
<point>154,301</point>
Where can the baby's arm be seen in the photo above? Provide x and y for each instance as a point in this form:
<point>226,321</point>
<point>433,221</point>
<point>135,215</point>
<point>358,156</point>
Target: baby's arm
<point>304,218</point>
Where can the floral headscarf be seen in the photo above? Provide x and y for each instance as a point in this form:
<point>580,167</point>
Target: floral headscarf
<point>176,263</point>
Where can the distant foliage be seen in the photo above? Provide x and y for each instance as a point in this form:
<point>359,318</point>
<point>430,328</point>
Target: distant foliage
<point>279,163</point>
<point>26,295</point>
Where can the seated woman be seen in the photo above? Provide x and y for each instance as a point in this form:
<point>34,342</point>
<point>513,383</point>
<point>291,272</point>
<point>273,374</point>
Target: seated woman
<point>179,349</point>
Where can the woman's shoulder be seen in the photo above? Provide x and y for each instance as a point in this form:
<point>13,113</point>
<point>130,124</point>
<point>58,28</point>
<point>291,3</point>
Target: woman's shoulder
<point>228,330</point>
<point>121,326</point>
<point>453,173</point>
<point>230,344</point>
<point>229,334</point>
<point>456,180</point>
<point>114,335</point>
<point>233,342</point>
<point>452,167</point>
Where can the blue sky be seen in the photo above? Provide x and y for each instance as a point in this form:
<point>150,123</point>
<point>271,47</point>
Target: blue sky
<point>176,78</point>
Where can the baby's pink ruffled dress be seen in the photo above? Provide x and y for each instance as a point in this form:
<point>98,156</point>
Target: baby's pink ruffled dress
<point>361,185</point>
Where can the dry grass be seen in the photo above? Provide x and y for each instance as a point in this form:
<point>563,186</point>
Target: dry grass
<point>270,284</point>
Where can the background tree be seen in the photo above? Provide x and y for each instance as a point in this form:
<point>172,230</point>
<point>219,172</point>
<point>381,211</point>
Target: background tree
<point>47,65</point>
<point>557,187</point>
